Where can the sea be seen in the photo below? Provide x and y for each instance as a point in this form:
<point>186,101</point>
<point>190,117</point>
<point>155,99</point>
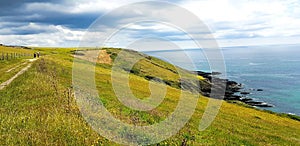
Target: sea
<point>275,69</point>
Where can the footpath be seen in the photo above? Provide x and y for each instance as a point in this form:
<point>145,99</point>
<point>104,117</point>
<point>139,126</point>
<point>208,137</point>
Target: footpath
<point>6,83</point>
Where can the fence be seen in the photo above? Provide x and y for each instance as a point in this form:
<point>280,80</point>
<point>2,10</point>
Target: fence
<point>11,56</point>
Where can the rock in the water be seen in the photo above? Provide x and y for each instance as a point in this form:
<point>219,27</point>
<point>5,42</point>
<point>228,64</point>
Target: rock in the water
<point>232,97</point>
<point>217,86</point>
<point>246,99</point>
<point>258,104</point>
<point>253,102</point>
<point>263,105</point>
<point>245,93</point>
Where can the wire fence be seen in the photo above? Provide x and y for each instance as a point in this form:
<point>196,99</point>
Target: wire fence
<point>12,56</point>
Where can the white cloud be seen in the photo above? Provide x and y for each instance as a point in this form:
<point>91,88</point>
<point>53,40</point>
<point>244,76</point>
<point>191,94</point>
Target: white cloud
<point>99,5</point>
<point>263,20</point>
<point>58,36</point>
<point>232,22</point>
<point>79,6</point>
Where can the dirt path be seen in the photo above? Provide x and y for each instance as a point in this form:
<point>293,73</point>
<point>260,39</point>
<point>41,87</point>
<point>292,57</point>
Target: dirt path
<point>6,83</point>
<point>16,67</point>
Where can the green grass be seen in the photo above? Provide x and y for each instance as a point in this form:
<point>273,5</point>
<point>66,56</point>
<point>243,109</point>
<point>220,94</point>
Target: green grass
<point>15,64</point>
<point>5,49</point>
<point>36,109</point>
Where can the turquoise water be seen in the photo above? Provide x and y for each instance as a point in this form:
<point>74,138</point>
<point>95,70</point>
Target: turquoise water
<point>275,69</point>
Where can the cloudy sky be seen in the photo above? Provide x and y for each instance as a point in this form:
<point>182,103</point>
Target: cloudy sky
<point>64,23</point>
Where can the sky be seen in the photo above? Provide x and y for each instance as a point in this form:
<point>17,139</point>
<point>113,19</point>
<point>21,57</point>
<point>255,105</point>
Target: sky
<point>65,23</point>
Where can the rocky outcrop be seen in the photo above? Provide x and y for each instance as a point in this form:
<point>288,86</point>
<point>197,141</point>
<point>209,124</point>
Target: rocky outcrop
<point>232,90</point>
<point>244,93</point>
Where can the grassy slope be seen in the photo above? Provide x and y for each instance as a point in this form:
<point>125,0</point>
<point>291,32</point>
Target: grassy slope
<point>17,63</point>
<point>5,49</point>
<point>35,109</point>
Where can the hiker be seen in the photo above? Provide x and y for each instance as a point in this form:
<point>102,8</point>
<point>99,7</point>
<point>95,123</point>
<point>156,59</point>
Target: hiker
<point>38,54</point>
<point>34,55</point>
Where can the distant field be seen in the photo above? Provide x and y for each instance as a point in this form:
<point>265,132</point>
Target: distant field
<point>5,49</point>
<point>38,108</point>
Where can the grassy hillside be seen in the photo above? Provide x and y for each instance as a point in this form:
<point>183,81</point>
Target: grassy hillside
<point>38,108</point>
<point>10,67</point>
<point>8,49</point>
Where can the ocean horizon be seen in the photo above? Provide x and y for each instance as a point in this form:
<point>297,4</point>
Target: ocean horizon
<point>274,69</point>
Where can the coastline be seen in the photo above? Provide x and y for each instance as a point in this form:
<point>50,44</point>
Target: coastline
<point>276,73</point>
<point>235,93</point>
<point>233,90</point>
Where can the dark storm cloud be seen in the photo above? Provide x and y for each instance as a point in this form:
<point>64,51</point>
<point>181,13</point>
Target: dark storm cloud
<point>26,31</point>
<point>16,11</point>
<point>16,7</point>
<point>55,12</point>
<point>56,18</point>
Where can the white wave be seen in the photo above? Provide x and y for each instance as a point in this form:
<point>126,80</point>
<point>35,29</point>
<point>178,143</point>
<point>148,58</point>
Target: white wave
<point>252,63</point>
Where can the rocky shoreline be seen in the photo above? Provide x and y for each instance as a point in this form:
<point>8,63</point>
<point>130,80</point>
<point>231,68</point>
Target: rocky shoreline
<point>232,90</point>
